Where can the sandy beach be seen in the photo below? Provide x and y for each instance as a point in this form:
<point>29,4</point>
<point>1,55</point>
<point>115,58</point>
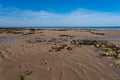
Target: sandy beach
<point>42,54</point>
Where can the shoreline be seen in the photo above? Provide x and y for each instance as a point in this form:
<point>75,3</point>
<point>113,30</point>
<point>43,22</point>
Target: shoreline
<point>67,28</point>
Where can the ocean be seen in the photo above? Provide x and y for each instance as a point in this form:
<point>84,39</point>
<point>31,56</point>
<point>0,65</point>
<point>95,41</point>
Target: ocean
<point>71,27</point>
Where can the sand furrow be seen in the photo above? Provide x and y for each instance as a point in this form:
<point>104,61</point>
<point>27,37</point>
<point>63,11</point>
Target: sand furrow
<point>87,63</point>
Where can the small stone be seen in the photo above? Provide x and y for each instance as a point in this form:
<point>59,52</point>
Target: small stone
<point>97,45</point>
<point>69,48</point>
<point>111,64</point>
<point>50,50</point>
<point>49,69</point>
<point>20,66</point>
<point>27,73</point>
<point>46,62</point>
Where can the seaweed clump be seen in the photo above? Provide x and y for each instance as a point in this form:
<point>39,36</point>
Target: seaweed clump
<point>58,47</point>
<point>36,40</point>
<point>117,63</point>
<point>104,47</point>
<point>97,33</point>
<point>24,74</point>
<point>83,42</point>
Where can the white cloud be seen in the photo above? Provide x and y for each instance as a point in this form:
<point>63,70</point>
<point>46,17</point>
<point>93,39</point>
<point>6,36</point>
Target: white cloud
<point>79,17</point>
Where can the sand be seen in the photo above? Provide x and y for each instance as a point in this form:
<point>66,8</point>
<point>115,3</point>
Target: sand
<point>29,53</point>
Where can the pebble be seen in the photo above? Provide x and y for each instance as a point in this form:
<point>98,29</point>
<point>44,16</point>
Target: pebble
<point>49,69</point>
<point>46,62</point>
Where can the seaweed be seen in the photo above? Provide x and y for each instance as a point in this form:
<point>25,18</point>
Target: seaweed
<point>24,74</point>
<point>117,63</point>
<point>97,33</point>
<point>58,47</point>
<point>105,48</point>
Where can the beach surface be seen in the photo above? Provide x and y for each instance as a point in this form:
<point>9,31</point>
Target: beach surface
<point>42,54</point>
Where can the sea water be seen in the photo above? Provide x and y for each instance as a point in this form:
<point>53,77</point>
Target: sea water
<point>70,27</point>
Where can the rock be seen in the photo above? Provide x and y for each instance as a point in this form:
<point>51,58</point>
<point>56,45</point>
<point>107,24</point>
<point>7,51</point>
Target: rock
<point>20,66</point>
<point>111,64</point>
<point>118,51</point>
<point>97,45</point>
<point>73,42</point>
<point>27,73</point>
<point>49,69</point>
<point>69,48</point>
<point>45,62</point>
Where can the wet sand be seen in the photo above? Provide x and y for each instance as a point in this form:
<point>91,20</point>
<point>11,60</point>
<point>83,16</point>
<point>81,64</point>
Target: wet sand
<point>30,53</point>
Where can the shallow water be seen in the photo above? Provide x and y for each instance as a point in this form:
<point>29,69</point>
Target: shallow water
<point>7,39</point>
<point>45,37</point>
<point>20,37</point>
<point>114,39</point>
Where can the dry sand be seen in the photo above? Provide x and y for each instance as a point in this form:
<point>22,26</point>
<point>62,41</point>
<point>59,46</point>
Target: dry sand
<point>31,56</point>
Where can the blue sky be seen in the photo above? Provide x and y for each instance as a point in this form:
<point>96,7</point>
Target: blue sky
<point>59,12</point>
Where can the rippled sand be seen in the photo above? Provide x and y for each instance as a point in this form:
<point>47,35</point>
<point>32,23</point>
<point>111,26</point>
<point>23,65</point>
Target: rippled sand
<point>80,63</point>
